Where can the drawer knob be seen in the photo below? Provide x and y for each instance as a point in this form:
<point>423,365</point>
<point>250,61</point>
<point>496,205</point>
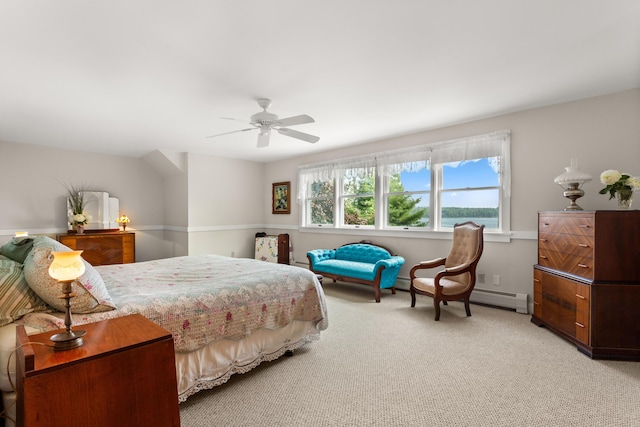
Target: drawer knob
<point>579,325</point>
<point>580,296</point>
<point>543,240</point>
<point>536,280</point>
<point>543,257</point>
<point>583,226</point>
<point>583,266</point>
<point>582,245</point>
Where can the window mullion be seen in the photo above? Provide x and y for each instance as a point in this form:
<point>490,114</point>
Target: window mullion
<point>338,214</point>
<point>436,185</point>
<point>379,202</point>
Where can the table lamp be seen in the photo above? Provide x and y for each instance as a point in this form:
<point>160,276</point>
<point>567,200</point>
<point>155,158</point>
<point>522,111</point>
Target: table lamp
<point>66,267</point>
<point>123,221</point>
<point>571,181</point>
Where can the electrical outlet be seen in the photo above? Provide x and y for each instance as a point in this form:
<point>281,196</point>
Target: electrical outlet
<point>496,280</point>
<point>480,277</point>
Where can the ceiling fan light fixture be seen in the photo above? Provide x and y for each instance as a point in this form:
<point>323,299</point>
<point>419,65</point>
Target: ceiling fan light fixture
<point>264,121</point>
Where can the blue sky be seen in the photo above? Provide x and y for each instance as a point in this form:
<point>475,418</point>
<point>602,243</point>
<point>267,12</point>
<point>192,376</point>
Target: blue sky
<point>459,175</point>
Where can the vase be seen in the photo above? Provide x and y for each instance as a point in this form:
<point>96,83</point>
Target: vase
<point>79,229</point>
<point>624,200</point>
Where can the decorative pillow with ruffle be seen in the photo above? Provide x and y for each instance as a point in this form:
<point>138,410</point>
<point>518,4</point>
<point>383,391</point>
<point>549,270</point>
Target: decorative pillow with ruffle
<point>91,293</point>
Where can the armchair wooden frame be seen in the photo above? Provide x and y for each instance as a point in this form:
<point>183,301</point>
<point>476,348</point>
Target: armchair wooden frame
<point>449,284</point>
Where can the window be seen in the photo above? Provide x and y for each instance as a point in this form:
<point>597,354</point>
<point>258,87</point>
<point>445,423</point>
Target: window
<point>407,198</point>
<point>428,188</point>
<point>358,197</point>
<point>320,204</point>
<point>470,192</point>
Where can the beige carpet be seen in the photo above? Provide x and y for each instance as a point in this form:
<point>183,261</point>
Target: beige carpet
<point>390,365</point>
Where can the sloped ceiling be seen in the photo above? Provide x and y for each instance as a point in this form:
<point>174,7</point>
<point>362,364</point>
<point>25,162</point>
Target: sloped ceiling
<point>130,77</point>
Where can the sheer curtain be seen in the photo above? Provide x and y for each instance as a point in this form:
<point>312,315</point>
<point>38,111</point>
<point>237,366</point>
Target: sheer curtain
<point>411,159</point>
<point>362,166</point>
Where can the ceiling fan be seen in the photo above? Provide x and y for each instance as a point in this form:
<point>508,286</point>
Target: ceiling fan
<point>265,122</point>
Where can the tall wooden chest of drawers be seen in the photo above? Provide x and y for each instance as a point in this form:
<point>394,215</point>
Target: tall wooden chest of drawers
<point>102,248</point>
<point>587,280</point>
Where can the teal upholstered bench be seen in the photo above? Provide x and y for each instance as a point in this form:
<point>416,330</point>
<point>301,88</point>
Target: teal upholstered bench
<point>361,262</point>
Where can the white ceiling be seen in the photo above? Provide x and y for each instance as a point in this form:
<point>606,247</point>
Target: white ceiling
<point>131,76</point>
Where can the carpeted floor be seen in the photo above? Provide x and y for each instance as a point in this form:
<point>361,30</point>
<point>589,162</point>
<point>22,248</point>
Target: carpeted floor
<point>387,364</point>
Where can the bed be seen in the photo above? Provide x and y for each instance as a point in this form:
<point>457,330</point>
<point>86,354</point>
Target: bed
<point>226,315</point>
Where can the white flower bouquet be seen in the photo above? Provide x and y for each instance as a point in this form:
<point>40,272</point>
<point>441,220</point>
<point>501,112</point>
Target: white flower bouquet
<point>619,183</point>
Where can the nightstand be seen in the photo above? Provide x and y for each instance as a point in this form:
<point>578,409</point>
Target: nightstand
<point>123,375</point>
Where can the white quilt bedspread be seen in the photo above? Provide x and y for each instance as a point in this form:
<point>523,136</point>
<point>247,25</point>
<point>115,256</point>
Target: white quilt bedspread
<point>204,298</point>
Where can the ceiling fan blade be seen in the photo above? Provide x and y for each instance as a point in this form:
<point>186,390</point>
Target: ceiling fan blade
<point>227,133</point>
<point>295,120</point>
<point>299,135</point>
<point>263,139</point>
<point>235,120</point>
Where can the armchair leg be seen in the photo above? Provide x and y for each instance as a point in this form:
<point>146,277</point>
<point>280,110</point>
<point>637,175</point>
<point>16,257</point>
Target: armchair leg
<point>413,297</point>
<point>436,304</point>
<point>466,306</point>
<point>377,293</point>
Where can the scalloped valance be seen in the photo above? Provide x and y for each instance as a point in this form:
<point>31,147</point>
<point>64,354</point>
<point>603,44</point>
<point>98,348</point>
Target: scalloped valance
<point>412,159</point>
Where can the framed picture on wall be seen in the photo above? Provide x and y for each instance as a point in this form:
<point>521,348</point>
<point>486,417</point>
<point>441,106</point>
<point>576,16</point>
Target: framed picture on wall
<point>281,195</point>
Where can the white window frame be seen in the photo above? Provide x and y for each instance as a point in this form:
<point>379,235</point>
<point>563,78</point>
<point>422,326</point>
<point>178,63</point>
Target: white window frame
<point>495,144</point>
<point>342,197</point>
<point>437,177</point>
<point>386,193</point>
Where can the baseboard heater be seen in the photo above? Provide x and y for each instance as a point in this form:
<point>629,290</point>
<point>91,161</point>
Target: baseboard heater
<point>516,302</point>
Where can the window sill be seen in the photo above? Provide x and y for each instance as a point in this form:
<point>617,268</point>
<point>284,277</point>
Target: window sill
<point>500,237</point>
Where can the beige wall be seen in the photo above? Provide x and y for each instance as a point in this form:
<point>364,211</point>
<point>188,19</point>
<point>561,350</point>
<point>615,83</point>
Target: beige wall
<point>225,205</point>
<point>33,196</point>
<point>602,132</point>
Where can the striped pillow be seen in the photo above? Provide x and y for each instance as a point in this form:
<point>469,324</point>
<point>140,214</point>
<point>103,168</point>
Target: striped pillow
<point>16,297</point>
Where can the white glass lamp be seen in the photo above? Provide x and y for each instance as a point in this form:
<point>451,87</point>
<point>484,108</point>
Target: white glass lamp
<point>123,220</point>
<point>66,267</point>
<point>571,181</point>
<point>21,234</point>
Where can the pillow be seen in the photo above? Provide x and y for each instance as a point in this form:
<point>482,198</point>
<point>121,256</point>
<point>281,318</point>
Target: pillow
<point>16,297</point>
<point>91,293</point>
<point>17,248</point>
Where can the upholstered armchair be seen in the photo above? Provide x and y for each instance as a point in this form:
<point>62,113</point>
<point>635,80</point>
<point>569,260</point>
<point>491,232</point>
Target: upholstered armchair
<point>456,280</point>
